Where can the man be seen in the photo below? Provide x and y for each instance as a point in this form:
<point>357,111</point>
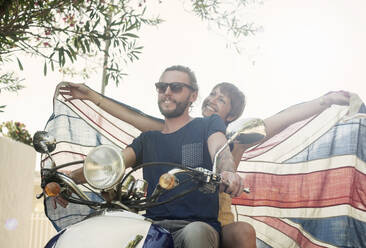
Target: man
<point>193,142</point>
<point>225,100</point>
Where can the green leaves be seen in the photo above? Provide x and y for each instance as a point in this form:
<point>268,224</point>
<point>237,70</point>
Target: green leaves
<point>61,56</point>
<point>227,16</point>
<point>130,35</point>
<point>45,68</point>
<point>9,82</point>
<point>20,64</point>
<point>63,32</point>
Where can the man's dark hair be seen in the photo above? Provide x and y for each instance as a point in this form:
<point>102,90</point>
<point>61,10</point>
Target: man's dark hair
<point>188,71</point>
<point>237,99</point>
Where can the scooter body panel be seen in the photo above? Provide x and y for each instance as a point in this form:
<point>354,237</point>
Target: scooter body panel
<point>113,229</point>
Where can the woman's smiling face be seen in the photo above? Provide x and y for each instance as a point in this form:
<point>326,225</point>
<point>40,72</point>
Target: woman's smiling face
<point>217,103</point>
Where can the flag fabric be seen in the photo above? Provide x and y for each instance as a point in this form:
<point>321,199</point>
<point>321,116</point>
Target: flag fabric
<point>78,127</point>
<point>308,183</point>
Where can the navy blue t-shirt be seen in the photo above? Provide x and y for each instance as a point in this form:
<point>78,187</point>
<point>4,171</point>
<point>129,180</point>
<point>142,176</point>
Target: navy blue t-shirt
<point>187,146</point>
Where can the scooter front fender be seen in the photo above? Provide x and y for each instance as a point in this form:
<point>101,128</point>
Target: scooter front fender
<point>113,230</point>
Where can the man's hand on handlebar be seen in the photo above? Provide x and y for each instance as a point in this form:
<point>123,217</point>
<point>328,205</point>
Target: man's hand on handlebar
<point>232,183</point>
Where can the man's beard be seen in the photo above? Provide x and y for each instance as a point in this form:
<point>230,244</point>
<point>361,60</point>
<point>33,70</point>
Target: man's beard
<point>180,107</point>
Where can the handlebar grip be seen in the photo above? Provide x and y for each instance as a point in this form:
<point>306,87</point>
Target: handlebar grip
<point>246,190</point>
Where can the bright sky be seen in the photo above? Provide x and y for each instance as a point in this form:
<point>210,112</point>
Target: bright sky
<point>306,48</point>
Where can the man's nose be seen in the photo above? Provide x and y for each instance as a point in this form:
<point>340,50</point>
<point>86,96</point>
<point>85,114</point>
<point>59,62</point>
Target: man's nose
<point>168,91</point>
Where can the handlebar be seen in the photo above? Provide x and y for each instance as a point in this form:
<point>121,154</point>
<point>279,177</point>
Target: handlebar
<point>206,181</point>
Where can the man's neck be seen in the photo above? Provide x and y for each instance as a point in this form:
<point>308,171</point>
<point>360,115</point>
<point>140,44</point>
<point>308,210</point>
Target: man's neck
<point>173,124</point>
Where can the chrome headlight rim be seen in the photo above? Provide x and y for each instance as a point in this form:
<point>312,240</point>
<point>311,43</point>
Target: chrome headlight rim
<point>118,176</point>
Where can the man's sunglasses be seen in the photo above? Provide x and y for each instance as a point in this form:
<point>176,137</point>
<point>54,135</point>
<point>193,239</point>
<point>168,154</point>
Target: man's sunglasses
<point>175,87</point>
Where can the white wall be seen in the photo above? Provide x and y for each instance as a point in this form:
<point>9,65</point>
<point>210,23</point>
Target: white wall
<point>17,164</point>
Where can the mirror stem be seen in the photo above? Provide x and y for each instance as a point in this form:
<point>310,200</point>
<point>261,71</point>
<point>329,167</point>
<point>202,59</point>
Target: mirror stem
<point>53,164</point>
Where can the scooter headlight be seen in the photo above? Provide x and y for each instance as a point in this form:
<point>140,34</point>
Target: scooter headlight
<point>104,167</point>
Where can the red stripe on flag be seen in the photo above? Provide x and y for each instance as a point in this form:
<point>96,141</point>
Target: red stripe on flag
<point>108,121</point>
<point>101,122</point>
<point>333,187</point>
<point>95,113</point>
<point>62,153</point>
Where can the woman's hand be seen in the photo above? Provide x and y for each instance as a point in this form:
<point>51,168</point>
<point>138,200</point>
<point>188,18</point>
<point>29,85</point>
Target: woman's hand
<point>76,91</point>
<point>336,97</point>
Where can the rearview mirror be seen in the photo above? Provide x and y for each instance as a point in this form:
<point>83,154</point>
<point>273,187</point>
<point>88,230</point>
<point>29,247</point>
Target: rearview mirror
<point>246,131</point>
<point>43,142</point>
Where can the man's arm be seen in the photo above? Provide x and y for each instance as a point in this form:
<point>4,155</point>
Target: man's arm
<point>225,165</point>
<point>129,157</point>
<point>225,161</point>
<point>138,120</point>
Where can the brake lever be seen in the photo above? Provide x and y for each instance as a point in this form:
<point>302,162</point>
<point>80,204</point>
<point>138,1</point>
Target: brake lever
<point>209,179</point>
<point>207,176</point>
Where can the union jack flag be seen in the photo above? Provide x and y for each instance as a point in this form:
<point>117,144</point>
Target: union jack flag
<point>308,183</point>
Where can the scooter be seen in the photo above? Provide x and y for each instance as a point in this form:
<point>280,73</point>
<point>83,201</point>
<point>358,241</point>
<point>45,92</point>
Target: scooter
<point>116,219</point>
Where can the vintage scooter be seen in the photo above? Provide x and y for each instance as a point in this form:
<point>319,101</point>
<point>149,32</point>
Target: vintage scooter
<point>116,221</point>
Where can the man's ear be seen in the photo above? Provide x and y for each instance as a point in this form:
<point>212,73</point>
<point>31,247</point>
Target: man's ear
<point>193,97</point>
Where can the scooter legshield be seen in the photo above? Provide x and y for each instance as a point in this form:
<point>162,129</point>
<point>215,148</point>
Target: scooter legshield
<point>113,230</point>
